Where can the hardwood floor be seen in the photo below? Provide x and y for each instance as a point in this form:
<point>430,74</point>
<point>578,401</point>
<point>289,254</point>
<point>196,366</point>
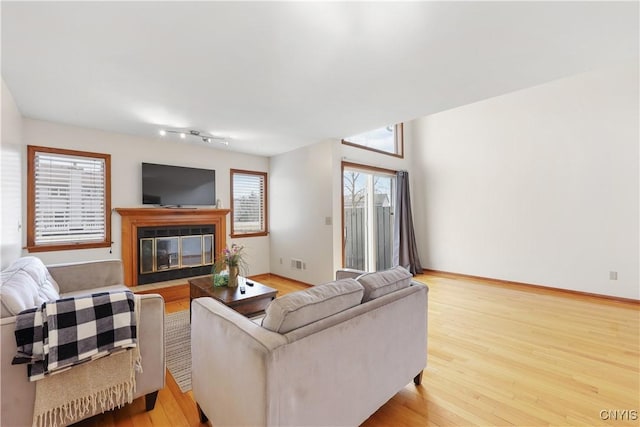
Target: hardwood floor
<point>497,355</point>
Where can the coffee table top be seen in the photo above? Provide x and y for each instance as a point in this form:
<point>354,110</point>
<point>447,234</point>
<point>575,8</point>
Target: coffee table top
<point>231,296</point>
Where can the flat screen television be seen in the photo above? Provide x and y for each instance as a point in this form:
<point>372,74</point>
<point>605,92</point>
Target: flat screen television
<point>167,185</point>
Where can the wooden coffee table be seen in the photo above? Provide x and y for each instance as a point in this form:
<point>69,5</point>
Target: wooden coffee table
<point>252,303</point>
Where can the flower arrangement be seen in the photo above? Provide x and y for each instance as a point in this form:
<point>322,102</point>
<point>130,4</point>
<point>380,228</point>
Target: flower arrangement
<point>231,259</point>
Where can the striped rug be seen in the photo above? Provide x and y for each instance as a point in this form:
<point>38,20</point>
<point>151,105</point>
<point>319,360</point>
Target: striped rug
<point>177,330</point>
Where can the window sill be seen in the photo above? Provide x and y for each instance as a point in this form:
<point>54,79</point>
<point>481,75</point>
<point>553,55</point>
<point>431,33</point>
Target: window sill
<point>239,236</point>
<point>67,246</point>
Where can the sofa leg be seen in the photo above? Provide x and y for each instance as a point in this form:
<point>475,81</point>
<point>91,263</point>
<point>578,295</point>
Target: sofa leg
<point>150,400</point>
<point>417,380</point>
<point>203,417</point>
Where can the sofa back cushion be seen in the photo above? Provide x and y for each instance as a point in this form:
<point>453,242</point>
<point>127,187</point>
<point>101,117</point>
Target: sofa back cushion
<point>26,284</point>
<point>302,308</point>
<point>381,283</point>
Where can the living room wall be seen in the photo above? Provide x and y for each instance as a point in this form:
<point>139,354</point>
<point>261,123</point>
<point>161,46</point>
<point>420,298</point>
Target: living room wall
<point>306,206</point>
<point>300,188</point>
<point>127,153</point>
<point>11,172</point>
<point>539,186</point>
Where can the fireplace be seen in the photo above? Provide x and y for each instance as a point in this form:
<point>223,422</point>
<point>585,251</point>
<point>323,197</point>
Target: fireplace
<point>175,252</point>
<point>161,244</point>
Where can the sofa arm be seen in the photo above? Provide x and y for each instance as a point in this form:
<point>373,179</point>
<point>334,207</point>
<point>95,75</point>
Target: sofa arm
<point>230,357</point>
<point>152,346</point>
<point>87,275</point>
<point>18,393</point>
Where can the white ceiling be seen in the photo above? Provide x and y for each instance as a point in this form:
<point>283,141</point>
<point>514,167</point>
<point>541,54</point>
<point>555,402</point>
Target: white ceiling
<point>279,75</point>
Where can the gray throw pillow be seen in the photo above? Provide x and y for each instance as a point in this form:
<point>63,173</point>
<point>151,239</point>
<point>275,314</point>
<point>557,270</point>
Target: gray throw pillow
<point>302,308</point>
<point>384,282</point>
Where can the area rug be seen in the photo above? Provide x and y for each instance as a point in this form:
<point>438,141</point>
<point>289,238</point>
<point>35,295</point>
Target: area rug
<point>177,337</point>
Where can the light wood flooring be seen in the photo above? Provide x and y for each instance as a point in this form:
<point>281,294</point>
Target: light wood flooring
<point>498,355</point>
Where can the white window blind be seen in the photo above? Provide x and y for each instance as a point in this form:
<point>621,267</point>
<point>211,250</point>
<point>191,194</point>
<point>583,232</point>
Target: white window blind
<point>70,199</point>
<point>249,202</point>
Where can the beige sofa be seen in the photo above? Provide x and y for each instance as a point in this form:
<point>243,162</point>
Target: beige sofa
<point>327,356</point>
<point>27,283</point>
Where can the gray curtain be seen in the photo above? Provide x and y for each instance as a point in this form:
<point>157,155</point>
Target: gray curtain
<point>405,251</point>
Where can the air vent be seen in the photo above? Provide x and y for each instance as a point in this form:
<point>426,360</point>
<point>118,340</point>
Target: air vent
<point>297,264</point>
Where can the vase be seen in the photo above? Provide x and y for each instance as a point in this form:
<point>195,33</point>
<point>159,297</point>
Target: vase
<point>234,271</point>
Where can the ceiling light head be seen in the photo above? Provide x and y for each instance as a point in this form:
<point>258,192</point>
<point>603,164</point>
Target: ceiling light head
<point>205,137</point>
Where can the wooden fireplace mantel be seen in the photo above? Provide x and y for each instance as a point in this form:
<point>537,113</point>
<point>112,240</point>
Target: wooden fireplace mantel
<point>132,218</point>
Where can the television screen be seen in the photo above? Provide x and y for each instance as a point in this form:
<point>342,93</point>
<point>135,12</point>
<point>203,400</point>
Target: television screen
<point>167,185</point>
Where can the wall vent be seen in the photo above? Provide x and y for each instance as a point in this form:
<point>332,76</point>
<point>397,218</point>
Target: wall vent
<point>297,264</point>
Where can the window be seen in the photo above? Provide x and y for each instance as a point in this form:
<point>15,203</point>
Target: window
<point>68,199</point>
<point>386,140</point>
<point>248,203</point>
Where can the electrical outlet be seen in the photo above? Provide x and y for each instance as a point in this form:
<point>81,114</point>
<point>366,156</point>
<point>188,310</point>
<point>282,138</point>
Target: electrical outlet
<point>613,275</point>
<point>280,260</point>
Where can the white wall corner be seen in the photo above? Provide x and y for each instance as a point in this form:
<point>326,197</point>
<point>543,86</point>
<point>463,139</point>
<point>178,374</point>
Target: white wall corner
<point>11,164</point>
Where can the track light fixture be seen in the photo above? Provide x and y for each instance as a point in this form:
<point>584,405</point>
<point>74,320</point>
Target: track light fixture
<point>209,139</point>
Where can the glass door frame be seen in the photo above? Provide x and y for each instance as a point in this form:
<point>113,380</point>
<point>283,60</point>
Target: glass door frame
<point>365,169</point>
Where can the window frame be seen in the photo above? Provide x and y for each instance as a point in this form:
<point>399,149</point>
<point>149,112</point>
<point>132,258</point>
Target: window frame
<point>398,132</point>
<point>265,212</point>
<point>31,195</point>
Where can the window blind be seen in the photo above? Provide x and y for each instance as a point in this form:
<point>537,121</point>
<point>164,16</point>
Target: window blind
<point>249,203</point>
<point>69,198</point>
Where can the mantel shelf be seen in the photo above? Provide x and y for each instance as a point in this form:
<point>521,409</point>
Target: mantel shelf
<point>132,218</point>
<point>154,212</point>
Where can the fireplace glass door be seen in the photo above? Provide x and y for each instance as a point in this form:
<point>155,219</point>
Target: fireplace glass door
<point>207,248</point>
<point>175,252</point>
<point>146,256</point>
<point>191,251</point>
<point>167,250</point>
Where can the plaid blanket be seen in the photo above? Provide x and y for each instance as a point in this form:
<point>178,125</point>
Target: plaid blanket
<point>74,330</point>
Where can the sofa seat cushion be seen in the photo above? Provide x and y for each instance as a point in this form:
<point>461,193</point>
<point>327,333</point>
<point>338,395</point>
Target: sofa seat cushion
<point>381,283</point>
<point>26,284</point>
<point>297,309</point>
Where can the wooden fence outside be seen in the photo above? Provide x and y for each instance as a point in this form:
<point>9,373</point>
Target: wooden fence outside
<point>356,237</point>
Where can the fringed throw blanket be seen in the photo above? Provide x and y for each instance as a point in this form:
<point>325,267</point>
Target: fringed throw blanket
<point>67,333</point>
<point>95,387</point>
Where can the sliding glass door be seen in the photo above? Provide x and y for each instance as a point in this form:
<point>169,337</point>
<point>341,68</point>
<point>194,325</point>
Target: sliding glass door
<point>368,206</point>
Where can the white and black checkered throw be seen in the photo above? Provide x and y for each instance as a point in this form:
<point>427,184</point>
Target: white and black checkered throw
<point>69,331</point>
